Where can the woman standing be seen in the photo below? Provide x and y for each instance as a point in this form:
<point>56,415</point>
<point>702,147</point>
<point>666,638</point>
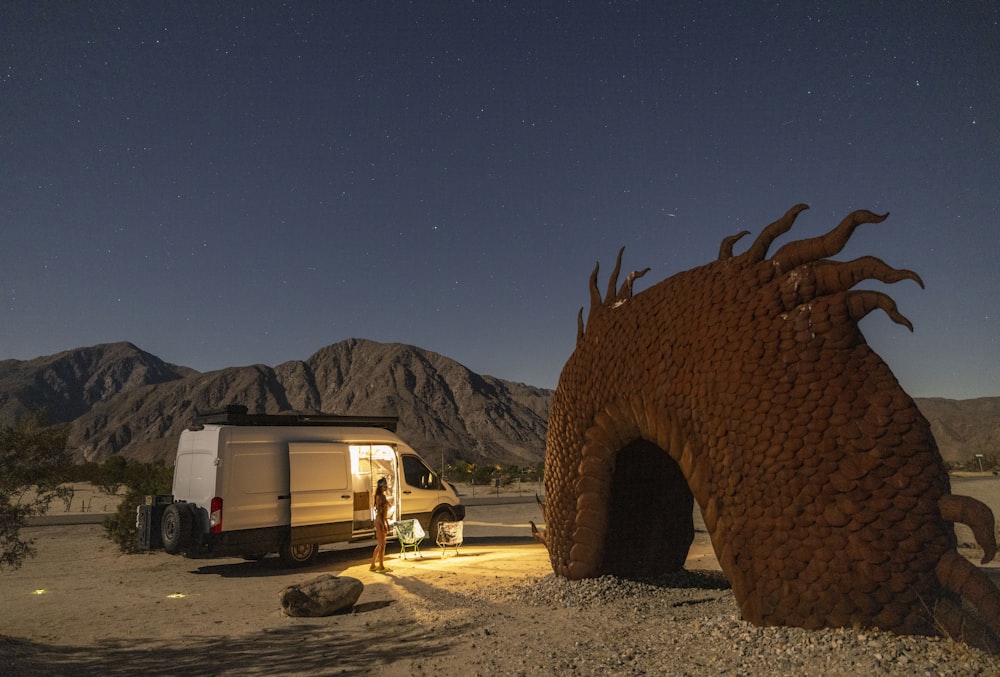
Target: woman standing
<point>381,528</point>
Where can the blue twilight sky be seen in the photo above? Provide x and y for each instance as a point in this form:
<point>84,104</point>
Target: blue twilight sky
<point>230,183</point>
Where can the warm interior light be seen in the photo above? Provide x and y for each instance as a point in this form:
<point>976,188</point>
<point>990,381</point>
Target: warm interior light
<point>40,591</point>
<point>177,595</point>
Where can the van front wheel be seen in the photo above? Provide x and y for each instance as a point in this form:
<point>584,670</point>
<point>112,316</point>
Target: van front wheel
<point>445,515</point>
<point>175,528</point>
<point>298,555</point>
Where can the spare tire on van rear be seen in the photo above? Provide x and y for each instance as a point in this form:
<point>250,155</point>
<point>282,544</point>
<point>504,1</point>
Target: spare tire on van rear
<point>175,527</point>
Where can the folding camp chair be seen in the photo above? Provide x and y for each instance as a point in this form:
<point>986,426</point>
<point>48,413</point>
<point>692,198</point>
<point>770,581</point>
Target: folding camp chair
<point>449,534</point>
<point>409,533</point>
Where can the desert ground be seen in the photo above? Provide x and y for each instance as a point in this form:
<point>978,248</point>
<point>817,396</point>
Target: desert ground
<point>493,608</point>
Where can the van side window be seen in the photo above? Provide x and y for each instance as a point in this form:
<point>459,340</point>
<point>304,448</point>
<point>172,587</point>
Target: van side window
<point>419,475</point>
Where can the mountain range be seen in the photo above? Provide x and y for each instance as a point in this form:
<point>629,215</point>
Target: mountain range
<point>119,399</point>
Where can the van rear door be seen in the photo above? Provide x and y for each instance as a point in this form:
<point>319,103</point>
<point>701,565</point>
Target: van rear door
<point>195,469</point>
<point>321,489</point>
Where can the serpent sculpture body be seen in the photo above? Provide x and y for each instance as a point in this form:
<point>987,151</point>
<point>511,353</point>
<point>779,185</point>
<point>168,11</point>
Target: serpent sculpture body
<point>746,385</point>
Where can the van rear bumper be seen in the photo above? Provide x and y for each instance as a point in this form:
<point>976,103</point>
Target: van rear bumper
<point>238,543</point>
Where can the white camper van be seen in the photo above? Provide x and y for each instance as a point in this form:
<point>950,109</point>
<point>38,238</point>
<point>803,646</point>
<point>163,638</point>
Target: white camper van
<point>253,484</point>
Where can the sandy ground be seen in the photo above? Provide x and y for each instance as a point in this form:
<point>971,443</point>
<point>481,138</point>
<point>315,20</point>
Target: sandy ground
<point>81,607</point>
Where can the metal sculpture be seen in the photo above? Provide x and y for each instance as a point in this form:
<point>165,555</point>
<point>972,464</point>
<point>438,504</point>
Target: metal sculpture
<point>746,385</point>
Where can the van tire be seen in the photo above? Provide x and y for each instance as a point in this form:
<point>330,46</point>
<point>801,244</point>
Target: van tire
<point>175,527</point>
<point>445,515</point>
<point>298,555</point>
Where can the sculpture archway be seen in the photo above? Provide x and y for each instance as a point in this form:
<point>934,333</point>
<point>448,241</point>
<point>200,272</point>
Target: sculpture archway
<point>819,481</point>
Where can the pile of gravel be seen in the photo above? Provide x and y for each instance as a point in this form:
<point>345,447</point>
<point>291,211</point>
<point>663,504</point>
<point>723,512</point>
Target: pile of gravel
<point>684,624</point>
<point>647,596</point>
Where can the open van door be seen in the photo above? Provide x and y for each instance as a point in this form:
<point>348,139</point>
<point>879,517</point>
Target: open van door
<point>369,464</point>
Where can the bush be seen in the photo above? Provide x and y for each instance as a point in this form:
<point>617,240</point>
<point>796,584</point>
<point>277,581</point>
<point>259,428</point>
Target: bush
<point>112,474</point>
<point>141,479</point>
<point>34,462</point>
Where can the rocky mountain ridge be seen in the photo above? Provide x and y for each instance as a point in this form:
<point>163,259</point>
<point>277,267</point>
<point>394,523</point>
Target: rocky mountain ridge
<point>964,428</point>
<point>119,399</point>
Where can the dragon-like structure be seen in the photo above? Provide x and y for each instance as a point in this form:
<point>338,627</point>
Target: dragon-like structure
<point>747,386</point>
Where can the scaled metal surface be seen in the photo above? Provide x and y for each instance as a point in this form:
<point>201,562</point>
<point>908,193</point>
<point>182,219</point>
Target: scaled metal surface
<point>746,385</point>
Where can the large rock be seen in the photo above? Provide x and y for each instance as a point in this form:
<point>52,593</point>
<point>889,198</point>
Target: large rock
<point>322,596</point>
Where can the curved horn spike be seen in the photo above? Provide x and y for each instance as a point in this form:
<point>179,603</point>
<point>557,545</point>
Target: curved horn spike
<point>726,248</point>
<point>815,248</point>
<point>974,514</point>
<point>834,276</point>
<point>595,293</point>
<point>758,250</point>
<point>613,280</point>
<point>625,292</point>
<point>860,303</point>
<point>538,534</point>
<point>579,326</point>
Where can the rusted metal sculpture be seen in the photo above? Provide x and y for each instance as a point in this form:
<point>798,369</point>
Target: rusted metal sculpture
<point>746,385</point>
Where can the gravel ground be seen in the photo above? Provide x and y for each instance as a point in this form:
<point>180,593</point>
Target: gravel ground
<point>683,624</point>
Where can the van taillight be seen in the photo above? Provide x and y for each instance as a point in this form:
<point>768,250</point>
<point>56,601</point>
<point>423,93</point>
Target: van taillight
<point>215,516</point>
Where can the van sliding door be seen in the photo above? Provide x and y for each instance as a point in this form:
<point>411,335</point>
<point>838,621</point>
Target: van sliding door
<point>320,483</point>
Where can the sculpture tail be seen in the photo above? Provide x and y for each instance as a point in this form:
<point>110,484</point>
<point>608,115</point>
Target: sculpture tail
<point>961,577</point>
<point>538,534</point>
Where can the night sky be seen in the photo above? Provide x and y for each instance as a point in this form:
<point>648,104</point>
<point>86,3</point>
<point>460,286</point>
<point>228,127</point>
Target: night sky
<point>232,183</point>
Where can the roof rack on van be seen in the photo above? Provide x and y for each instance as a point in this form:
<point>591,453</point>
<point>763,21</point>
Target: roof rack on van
<point>237,414</point>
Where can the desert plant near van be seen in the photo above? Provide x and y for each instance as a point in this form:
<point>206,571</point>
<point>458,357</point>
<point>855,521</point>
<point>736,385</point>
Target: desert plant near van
<point>142,479</point>
<point>34,462</point>
<point>112,474</point>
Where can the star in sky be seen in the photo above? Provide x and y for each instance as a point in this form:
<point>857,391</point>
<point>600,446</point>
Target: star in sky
<point>237,184</point>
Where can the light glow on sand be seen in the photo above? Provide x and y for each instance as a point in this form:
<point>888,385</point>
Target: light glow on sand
<point>177,595</point>
<point>40,591</point>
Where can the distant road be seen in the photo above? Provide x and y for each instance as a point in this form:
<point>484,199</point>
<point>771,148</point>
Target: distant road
<point>70,518</point>
<point>67,518</point>
<point>496,500</point>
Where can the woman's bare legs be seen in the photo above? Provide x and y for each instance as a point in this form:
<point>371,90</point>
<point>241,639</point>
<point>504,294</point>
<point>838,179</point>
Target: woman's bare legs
<point>378,557</point>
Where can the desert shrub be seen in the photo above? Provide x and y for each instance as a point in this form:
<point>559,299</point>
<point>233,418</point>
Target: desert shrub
<point>485,474</point>
<point>87,471</point>
<point>471,473</point>
<point>34,463</point>
<point>111,474</point>
<point>141,480</point>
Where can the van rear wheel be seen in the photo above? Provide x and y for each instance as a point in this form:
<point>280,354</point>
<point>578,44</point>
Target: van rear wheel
<point>175,528</point>
<point>298,555</point>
